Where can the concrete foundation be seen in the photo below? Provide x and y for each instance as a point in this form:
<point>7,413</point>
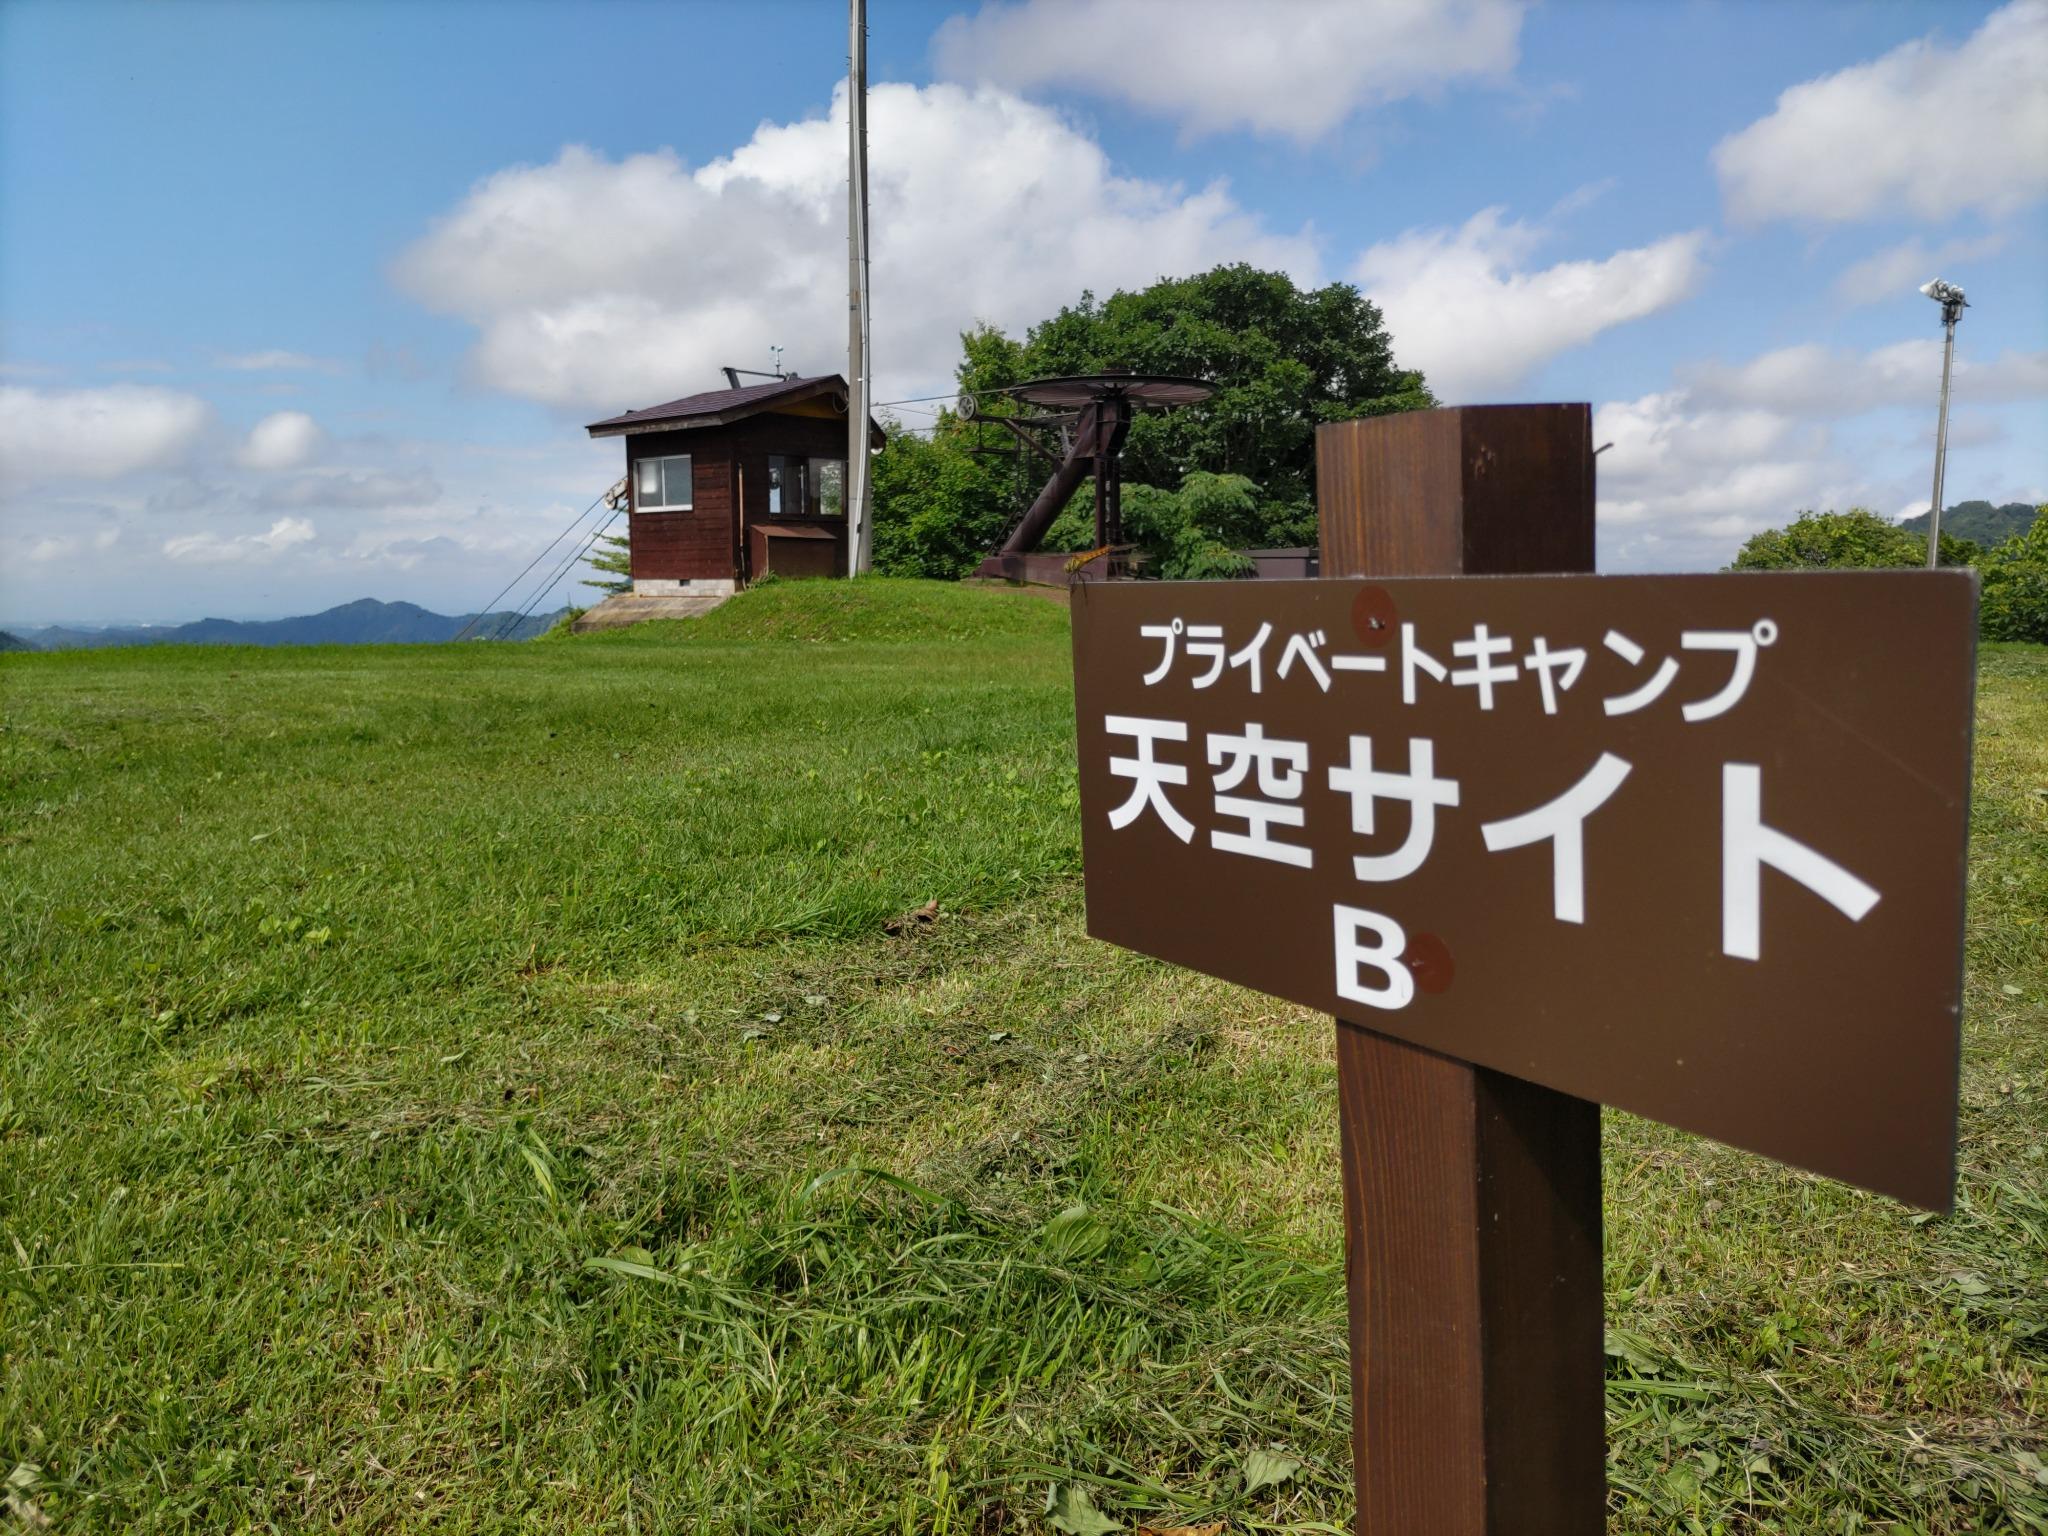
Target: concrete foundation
<point>647,586</point>
<point>633,608</point>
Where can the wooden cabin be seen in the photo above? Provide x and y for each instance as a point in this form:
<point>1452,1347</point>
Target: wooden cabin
<point>734,484</point>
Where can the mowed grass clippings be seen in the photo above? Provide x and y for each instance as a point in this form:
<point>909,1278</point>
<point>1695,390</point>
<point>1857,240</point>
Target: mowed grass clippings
<point>476,1089</point>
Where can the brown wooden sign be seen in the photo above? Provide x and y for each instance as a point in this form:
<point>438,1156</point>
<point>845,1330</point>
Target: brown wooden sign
<point>1689,845</point>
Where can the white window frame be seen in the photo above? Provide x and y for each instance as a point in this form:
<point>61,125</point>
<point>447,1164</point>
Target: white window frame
<point>815,474</point>
<point>665,459</point>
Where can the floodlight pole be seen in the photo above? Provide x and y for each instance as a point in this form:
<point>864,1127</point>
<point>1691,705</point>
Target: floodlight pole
<point>859,496</point>
<point>1952,306</point>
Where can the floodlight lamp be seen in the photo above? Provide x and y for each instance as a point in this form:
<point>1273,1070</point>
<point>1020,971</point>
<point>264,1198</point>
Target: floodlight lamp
<point>1944,293</point>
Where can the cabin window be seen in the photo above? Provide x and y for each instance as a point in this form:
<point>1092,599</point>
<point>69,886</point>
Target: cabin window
<point>785,485</point>
<point>828,487</point>
<point>663,484</point>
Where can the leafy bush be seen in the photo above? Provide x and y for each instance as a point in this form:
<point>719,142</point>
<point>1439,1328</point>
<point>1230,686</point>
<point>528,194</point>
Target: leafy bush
<point>938,507</point>
<point>1192,534</point>
<point>1857,539</point>
<point>2015,601</point>
<point>1195,533</point>
<point>563,626</point>
<point>2015,571</point>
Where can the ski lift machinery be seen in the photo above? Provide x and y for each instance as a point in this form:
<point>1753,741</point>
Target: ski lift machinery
<point>1092,414</point>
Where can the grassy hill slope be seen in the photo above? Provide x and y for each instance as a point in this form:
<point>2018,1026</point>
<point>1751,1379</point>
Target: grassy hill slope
<point>876,609</point>
<point>492,1088</point>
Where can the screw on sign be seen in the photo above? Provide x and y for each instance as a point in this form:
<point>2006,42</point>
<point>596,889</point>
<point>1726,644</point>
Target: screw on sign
<point>1689,845</point>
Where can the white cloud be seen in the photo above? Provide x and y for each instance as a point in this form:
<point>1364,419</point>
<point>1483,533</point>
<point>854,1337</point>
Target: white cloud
<point>1966,429</point>
<point>1461,308</point>
<point>360,489</point>
<point>609,284</point>
<point>1930,129</point>
<point>1737,448</point>
<point>409,554</point>
<point>1893,273</point>
<point>1685,484</point>
<point>281,440</point>
<point>50,547</point>
<point>276,361</point>
<point>95,434</point>
<point>211,548</point>
<point>369,517</point>
<point>1819,381</point>
<point>1297,70</point>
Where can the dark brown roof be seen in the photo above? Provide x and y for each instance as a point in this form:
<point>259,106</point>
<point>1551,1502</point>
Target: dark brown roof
<point>717,407</point>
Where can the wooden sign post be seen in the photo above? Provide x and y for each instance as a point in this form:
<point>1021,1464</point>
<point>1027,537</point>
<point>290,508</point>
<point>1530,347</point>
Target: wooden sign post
<point>1690,845</point>
<point>1472,1239</point>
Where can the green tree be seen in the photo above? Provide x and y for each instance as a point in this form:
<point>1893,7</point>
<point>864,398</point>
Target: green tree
<point>1284,360</point>
<point>1857,539</point>
<point>613,556</point>
<point>2014,605</point>
<point>939,507</point>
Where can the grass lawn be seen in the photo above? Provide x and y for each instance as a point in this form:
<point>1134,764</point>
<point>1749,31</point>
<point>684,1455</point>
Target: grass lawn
<point>477,1088</point>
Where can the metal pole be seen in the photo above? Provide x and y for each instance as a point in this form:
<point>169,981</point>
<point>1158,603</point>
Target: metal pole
<point>1952,303</point>
<point>1948,353</point>
<point>860,533</point>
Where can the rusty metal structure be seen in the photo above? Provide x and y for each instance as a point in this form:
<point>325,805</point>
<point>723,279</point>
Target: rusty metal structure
<point>1089,416</point>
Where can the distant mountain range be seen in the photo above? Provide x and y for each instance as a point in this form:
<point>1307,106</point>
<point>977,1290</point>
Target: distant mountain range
<point>1979,521</point>
<point>363,622</point>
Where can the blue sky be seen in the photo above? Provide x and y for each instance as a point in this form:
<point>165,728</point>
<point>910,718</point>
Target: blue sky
<point>301,302</point>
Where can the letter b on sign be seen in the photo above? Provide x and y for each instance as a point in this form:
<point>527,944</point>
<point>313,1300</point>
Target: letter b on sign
<point>1358,960</point>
